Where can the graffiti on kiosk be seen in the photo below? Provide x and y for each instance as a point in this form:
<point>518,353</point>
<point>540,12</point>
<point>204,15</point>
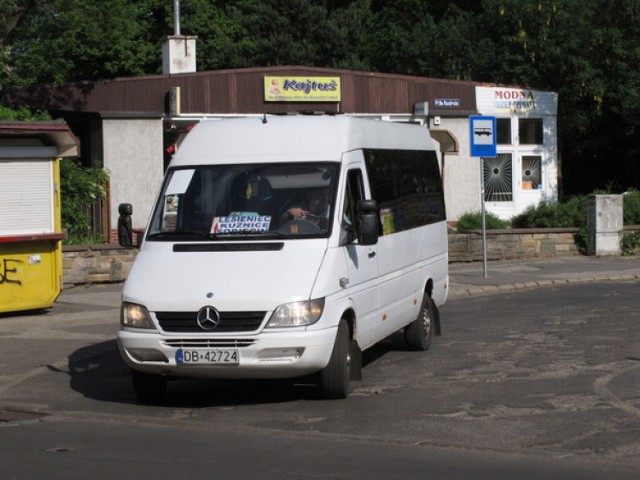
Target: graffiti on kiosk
<point>8,271</point>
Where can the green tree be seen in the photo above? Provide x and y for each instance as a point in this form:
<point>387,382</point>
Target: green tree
<point>80,187</point>
<point>249,33</point>
<point>348,27</point>
<point>459,48</point>
<point>67,40</point>
<point>222,42</point>
<point>11,12</point>
<point>22,114</point>
<point>587,51</point>
<point>400,37</point>
<point>613,138</point>
<point>61,41</point>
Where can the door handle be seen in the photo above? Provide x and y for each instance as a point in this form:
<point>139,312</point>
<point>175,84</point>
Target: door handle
<point>371,254</point>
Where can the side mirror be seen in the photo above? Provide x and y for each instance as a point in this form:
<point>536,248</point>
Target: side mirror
<point>367,223</point>
<point>125,230</point>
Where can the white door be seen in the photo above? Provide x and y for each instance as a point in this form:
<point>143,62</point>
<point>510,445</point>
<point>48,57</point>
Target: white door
<point>362,264</point>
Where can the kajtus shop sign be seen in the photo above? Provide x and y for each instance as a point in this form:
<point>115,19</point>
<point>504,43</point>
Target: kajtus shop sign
<point>302,89</point>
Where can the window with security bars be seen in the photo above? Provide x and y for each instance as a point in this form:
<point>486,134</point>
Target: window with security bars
<point>498,184</point>
<point>531,172</point>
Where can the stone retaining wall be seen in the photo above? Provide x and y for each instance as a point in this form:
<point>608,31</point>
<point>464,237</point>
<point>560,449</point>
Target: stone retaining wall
<point>111,263</point>
<point>96,264</point>
<point>513,243</point>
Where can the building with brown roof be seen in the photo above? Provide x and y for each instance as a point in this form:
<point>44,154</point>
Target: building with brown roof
<point>131,126</point>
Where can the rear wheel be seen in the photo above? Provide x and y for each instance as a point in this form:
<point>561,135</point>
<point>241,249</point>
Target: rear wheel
<point>419,332</point>
<point>335,377</point>
<point>148,388</point>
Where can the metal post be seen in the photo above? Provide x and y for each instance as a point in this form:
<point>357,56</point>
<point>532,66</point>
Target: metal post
<point>176,18</point>
<point>484,222</point>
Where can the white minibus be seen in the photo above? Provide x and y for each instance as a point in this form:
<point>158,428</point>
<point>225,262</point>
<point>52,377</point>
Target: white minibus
<point>283,247</point>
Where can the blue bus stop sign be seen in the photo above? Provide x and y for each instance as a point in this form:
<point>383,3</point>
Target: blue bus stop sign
<point>482,132</point>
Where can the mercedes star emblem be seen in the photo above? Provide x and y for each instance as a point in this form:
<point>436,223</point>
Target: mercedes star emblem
<point>208,318</point>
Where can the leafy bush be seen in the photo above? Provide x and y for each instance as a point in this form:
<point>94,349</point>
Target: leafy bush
<point>572,213</point>
<point>553,215</point>
<point>473,221</point>
<point>80,187</point>
<point>22,114</point>
<point>631,207</point>
<point>582,240</point>
<point>630,243</point>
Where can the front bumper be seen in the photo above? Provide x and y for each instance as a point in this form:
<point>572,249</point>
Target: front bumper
<point>271,354</point>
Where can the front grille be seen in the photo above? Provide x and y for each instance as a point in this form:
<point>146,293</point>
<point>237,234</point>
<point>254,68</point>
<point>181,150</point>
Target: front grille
<point>209,343</point>
<point>229,322</point>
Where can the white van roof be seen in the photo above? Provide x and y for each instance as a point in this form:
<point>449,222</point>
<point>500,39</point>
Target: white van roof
<point>294,138</point>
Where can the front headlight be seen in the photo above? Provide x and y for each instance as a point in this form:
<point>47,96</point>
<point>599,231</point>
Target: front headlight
<point>297,314</point>
<point>135,316</point>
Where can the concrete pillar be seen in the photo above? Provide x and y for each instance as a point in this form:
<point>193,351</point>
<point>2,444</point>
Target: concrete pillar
<point>605,224</point>
<point>179,54</point>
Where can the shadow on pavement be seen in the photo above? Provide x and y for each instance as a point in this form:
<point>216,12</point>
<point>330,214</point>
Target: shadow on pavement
<point>25,313</point>
<point>98,372</point>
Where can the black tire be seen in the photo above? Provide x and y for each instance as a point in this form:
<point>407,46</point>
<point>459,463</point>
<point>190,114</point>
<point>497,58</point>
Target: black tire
<point>418,333</point>
<point>149,389</point>
<point>335,378</point>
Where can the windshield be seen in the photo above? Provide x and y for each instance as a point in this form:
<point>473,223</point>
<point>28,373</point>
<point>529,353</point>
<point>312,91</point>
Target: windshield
<point>220,201</point>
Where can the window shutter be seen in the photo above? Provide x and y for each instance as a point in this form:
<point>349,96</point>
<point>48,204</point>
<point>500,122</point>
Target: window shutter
<point>26,197</point>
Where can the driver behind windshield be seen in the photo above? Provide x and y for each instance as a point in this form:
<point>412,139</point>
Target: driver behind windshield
<point>316,209</point>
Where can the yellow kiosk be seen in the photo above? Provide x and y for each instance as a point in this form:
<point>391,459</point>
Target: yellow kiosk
<point>30,226</point>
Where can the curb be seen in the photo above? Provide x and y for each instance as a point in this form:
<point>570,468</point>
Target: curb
<point>463,291</point>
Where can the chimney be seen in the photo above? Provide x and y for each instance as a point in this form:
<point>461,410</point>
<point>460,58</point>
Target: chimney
<point>178,51</point>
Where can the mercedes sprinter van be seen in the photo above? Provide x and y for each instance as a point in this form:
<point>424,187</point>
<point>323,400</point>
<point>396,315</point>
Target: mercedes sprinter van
<point>283,247</point>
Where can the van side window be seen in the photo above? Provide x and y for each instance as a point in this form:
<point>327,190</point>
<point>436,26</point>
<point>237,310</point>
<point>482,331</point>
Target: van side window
<point>354,191</point>
<point>407,186</point>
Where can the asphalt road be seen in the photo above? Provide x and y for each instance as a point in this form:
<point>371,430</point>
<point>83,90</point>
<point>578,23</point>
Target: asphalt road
<point>541,383</point>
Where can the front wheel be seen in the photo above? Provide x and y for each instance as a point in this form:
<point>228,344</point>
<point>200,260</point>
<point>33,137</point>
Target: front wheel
<point>335,377</point>
<point>419,332</point>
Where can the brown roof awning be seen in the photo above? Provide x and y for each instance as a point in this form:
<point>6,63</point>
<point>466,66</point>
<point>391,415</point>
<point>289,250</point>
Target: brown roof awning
<point>53,134</point>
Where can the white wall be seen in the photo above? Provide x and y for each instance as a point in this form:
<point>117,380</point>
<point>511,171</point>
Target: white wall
<point>179,54</point>
<point>518,103</point>
<point>461,171</point>
<point>133,155</point>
